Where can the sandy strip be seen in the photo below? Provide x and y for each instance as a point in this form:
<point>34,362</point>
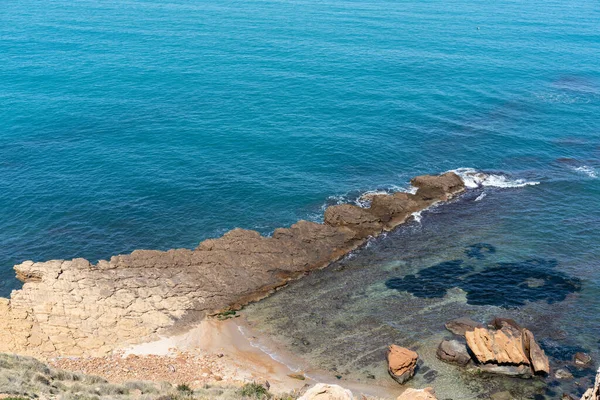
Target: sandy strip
<point>214,352</point>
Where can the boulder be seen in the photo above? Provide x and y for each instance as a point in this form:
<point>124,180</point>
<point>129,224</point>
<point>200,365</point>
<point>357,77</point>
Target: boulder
<point>401,363</point>
<point>436,187</point>
<point>322,391</point>
<point>453,351</point>
<point>418,394</point>
<point>500,347</point>
<point>539,360</point>
<point>582,359</point>
<point>461,325</point>
<point>563,374</point>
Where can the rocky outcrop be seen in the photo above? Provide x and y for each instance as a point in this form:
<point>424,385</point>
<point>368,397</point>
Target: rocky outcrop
<point>73,307</point>
<point>418,394</point>
<point>582,359</point>
<point>498,347</point>
<point>322,391</point>
<point>402,363</point>
<point>593,393</point>
<point>508,349</point>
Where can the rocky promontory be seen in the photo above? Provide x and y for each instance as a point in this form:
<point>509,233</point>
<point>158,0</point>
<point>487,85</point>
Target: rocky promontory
<point>72,308</point>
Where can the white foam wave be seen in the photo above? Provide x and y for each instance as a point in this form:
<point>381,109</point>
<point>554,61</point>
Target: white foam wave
<point>474,179</point>
<point>417,216</point>
<point>589,171</point>
<point>363,199</point>
<point>480,197</point>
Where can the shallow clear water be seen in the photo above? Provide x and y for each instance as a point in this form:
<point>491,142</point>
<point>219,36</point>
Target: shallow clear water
<point>146,124</point>
<point>475,258</point>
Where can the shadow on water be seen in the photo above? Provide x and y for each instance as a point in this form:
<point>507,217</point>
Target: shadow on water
<point>530,280</point>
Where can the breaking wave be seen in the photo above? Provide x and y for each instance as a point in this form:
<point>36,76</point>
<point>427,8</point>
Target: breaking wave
<point>474,179</point>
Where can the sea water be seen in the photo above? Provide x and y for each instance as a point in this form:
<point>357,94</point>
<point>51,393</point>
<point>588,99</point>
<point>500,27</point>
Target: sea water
<point>157,124</point>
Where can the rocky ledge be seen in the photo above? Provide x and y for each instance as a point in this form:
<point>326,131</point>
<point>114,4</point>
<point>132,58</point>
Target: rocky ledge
<point>71,308</point>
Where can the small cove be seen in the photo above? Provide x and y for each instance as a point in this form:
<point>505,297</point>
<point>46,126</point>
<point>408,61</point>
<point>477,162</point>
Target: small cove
<point>465,258</point>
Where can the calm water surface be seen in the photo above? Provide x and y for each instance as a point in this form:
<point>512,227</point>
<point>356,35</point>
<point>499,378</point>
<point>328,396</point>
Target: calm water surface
<point>146,124</point>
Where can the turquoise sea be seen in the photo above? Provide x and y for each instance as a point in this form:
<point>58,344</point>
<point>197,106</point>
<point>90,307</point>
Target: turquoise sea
<point>144,124</point>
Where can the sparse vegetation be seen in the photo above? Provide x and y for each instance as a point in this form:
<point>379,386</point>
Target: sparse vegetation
<point>184,389</point>
<point>226,314</point>
<point>255,391</point>
<point>25,378</point>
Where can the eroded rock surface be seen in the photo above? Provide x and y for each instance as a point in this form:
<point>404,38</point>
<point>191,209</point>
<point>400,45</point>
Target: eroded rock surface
<point>508,349</point>
<point>402,363</point>
<point>69,308</point>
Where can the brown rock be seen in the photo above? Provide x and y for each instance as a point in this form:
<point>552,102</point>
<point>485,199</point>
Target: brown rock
<point>438,187</point>
<point>453,351</point>
<point>582,359</point>
<point>394,209</point>
<point>360,220</point>
<point>461,325</point>
<point>539,360</point>
<point>507,323</point>
<point>563,374</point>
<point>72,308</point>
<point>500,347</point>
<point>401,363</point>
<point>418,394</point>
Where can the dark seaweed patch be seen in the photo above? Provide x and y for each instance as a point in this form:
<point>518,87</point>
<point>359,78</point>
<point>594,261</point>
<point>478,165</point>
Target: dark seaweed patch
<point>501,284</point>
<point>433,281</point>
<point>479,250</point>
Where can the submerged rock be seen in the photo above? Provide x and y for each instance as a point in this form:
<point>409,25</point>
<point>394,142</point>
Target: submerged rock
<point>322,391</point>
<point>581,358</point>
<point>453,351</point>
<point>461,325</point>
<point>401,363</point>
<point>563,374</point>
<point>521,371</point>
<point>418,394</point>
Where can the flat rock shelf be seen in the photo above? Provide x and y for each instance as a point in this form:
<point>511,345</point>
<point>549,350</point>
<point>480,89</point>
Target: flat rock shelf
<point>74,308</point>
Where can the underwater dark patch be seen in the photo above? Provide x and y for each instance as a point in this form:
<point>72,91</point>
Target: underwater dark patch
<point>433,281</point>
<point>501,284</point>
<point>479,250</point>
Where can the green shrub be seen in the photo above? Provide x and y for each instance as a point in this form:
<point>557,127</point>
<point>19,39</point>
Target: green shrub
<point>255,390</point>
<point>184,389</point>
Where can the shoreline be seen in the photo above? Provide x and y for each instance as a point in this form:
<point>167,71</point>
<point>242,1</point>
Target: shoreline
<point>223,353</point>
<point>74,308</point>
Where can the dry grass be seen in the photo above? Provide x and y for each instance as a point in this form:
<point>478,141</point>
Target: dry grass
<point>27,378</point>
